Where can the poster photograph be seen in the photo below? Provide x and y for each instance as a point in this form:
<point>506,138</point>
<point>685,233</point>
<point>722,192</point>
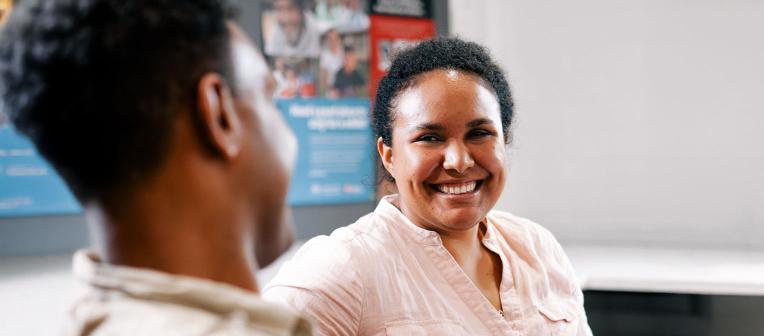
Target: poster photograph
<point>391,34</point>
<point>317,48</point>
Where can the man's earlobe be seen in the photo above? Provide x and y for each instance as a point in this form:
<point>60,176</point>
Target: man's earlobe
<point>220,122</point>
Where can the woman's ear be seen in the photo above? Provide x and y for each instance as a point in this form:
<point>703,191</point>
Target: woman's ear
<point>218,117</point>
<point>386,155</point>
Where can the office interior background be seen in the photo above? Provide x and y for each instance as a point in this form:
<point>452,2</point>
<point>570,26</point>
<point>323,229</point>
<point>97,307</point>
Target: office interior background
<point>638,143</point>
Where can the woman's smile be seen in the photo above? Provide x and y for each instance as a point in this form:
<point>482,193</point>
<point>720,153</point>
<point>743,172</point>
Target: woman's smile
<point>457,188</point>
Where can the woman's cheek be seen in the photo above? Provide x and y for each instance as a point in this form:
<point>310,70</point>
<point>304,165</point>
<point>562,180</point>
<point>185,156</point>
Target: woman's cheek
<point>491,158</point>
<point>419,163</point>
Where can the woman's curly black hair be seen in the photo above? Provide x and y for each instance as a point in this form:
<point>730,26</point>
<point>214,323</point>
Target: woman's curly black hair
<point>438,53</point>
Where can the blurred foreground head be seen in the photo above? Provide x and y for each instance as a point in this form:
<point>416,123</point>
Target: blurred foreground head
<point>150,101</point>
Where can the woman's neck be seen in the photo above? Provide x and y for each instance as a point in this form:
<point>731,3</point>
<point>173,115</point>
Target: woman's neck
<point>465,246</point>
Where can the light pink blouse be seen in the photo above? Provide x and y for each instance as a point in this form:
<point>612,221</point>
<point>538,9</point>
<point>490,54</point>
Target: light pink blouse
<point>383,275</point>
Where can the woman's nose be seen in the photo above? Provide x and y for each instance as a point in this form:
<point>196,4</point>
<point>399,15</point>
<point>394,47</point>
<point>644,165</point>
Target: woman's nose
<point>457,157</point>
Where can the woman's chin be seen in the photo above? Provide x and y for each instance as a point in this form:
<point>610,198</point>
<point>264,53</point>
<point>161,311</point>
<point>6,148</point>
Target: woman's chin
<point>460,219</point>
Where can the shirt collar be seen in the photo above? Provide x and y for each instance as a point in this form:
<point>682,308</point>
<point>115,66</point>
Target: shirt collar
<point>397,219</point>
<point>490,232</point>
<point>150,285</point>
<point>392,214</point>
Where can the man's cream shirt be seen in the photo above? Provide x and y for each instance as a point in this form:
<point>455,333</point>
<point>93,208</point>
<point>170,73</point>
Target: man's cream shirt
<point>132,301</point>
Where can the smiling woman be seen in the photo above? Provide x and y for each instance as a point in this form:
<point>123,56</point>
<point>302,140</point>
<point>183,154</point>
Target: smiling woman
<point>447,152</point>
<point>436,259</point>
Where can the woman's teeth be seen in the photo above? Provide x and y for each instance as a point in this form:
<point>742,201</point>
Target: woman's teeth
<point>455,189</point>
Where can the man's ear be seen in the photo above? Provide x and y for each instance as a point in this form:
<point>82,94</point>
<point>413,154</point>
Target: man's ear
<point>386,155</point>
<point>218,117</point>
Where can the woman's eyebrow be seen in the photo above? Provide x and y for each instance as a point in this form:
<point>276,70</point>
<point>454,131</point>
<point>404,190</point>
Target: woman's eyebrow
<point>429,127</point>
<point>439,127</point>
<point>479,122</point>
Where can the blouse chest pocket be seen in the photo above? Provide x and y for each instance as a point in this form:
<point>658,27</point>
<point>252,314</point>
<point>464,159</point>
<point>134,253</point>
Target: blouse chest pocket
<point>562,316</point>
<point>425,328</point>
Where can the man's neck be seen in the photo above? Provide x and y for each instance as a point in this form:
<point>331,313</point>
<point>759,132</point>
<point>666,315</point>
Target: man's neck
<point>176,235</point>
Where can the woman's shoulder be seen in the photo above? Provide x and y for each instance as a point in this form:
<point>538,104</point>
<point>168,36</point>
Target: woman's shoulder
<point>324,279</point>
<point>508,222</point>
<point>523,233</point>
<point>539,246</point>
<point>334,258</point>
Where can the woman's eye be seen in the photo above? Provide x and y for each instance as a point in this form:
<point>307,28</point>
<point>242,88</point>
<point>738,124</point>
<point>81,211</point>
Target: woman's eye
<point>480,133</point>
<point>427,138</point>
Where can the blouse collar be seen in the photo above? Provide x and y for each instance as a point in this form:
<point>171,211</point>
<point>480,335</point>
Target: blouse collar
<point>396,218</point>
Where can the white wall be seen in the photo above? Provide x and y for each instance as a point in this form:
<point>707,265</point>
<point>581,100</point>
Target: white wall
<point>638,121</point>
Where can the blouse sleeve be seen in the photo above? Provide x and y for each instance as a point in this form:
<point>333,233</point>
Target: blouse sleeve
<point>322,283</point>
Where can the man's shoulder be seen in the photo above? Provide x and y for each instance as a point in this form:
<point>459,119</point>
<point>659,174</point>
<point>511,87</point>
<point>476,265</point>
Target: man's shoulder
<point>109,315</point>
<point>97,315</point>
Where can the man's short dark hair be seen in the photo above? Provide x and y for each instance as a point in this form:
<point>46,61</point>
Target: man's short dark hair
<point>98,84</point>
<point>438,53</point>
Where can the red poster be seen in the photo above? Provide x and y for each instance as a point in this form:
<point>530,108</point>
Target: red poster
<point>388,34</point>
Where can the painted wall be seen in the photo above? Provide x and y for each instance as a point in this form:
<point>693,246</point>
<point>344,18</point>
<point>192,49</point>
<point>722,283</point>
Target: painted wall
<point>638,122</point>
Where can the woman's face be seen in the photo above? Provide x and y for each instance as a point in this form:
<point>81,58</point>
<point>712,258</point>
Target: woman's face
<point>447,154</point>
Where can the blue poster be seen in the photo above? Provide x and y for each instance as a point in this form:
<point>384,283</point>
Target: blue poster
<point>28,184</point>
<point>335,162</point>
